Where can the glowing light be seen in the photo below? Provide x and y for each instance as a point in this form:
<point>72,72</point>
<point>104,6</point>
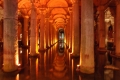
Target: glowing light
<point>17,56</point>
<point>19,64</point>
<point>20,51</point>
<point>78,66</point>
<point>17,77</point>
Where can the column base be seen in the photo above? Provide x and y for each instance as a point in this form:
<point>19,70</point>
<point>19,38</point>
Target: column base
<point>102,50</point>
<point>34,55</point>
<point>86,70</point>
<point>25,47</point>
<point>7,69</point>
<point>75,55</point>
<point>41,50</point>
<point>11,72</point>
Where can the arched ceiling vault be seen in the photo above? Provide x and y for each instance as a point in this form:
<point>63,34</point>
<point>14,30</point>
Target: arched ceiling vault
<point>58,9</point>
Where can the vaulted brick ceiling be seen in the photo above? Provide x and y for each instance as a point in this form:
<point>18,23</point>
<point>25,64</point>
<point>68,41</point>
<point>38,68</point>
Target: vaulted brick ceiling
<point>58,9</point>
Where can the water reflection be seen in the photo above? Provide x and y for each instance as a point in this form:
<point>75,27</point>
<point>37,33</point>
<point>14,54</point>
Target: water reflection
<point>55,63</point>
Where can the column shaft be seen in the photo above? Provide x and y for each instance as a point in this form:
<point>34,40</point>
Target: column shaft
<point>101,27</point>
<point>42,31</point>
<point>34,33</point>
<point>87,37</point>
<point>10,50</point>
<point>1,30</point>
<point>117,31</point>
<point>25,32</point>
<point>76,32</point>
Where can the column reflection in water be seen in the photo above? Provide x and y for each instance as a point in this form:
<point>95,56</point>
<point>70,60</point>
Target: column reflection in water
<point>33,68</point>
<point>23,57</point>
<point>59,64</point>
<point>42,65</point>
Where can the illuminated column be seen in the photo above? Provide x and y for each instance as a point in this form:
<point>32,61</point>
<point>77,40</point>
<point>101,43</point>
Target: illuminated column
<point>25,32</point>
<point>70,38</point>
<point>1,30</point>
<point>42,30</point>
<point>87,37</point>
<point>47,33</point>
<point>76,32</point>
<point>33,33</point>
<point>10,50</point>
<point>101,27</point>
<point>68,32</point>
<point>50,33</point>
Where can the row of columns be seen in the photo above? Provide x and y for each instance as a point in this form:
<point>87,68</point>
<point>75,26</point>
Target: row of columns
<point>87,37</point>
<point>10,50</point>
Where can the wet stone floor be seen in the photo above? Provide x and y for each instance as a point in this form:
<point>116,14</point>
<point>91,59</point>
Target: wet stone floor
<point>55,63</point>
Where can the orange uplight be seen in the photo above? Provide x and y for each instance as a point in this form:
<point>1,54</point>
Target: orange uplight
<point>19,64</point>
<point>17,77</point>
<point>16,55</point>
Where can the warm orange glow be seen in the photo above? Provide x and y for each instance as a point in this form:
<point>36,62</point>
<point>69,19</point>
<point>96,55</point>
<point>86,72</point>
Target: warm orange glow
<point>72,68</point>
<point>19,64</point>
<point>17,77</point>
<point>78,66</point>
<point>37,47</point>
<point>17,57</point>
<point>37,67</point>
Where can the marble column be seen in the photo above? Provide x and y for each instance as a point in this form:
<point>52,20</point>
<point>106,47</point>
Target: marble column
<point>25,32</point>
<point>101,27</point>
<point>42,31</point>
<point>34,32</point>
<point>76,29</point>
<point>87,37</point>
<point>10,49</point>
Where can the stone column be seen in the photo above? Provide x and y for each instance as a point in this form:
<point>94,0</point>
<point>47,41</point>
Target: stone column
<point>47,33</point>
<point>25,32</point>
<point>67,33</point>
<point>117,29</point>
<point>34,32</point>
<point>50,34</point>
<point>76,32</point>
<point>42,30</point>
<point>87,37</point>
<point>10,50</point>
<point>101,27</point>
<point>116,56</point>
<point>70,38</point>
<point>1,30</point>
